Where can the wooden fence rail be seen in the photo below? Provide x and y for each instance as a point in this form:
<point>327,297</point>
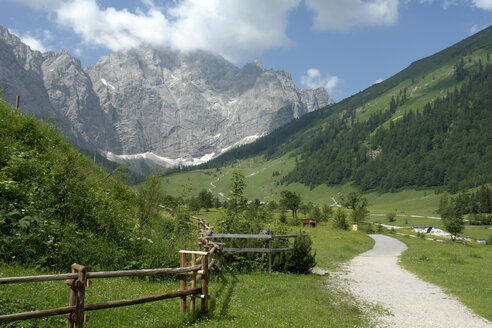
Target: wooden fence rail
<point>78,281</point>
<point>198,267</point>
<point>206,237</point>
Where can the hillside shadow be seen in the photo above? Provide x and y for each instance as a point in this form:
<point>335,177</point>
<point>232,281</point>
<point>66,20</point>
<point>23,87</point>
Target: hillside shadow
<point>227,285</point>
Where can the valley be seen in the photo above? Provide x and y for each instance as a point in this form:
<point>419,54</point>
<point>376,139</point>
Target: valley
<point>412,150</point>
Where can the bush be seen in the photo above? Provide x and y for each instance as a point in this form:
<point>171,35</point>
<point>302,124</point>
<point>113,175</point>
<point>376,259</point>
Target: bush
<point>340,220</point>
<point>301,259</point>
<point>480,219</point>
<point>57,207</point>
<point>391,217</point>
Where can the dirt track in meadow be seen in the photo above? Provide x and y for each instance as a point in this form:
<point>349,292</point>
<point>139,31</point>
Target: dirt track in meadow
<point>376,277</point>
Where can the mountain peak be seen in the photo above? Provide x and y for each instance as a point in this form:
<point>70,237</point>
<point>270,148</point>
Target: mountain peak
<point>170,103</point>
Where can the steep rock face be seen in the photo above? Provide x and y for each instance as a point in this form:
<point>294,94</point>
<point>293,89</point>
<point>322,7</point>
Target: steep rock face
<point>184,105</point>
<point>151,101</point>
<point>70,91</point>
<point>52,86</point>
<point>20,75</point>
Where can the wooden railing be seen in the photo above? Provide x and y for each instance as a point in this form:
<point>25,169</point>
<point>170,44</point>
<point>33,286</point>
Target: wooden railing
<point>78,280</point>
<point>197,266</point>
<point>207,237</point>
<point>268,250</point>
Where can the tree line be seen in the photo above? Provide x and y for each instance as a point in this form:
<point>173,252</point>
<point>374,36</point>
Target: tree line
<point>446,144</point>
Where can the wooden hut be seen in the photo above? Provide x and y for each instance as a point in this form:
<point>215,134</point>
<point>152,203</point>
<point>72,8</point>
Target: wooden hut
<point>310,223</point>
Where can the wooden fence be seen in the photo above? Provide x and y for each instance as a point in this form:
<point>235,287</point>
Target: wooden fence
<point>268,250</point>
<point>207,237</point>
<point>198,268</point>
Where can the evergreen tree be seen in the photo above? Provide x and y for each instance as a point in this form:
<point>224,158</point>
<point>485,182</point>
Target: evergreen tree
<point>237,202</point>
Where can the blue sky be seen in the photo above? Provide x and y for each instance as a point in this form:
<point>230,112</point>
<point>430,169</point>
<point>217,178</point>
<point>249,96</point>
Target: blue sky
<point>343,45</point>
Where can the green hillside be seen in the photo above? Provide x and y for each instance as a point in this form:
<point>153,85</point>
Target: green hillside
<point>426,128</point>
<point>58,208</point>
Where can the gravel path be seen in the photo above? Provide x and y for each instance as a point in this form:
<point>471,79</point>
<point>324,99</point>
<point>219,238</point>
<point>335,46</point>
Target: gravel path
<point>376,277</point>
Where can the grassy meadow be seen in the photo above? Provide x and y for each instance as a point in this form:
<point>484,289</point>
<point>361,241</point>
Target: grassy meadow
<point>237,300</point>
<point>464,271</point>
<point>262,184</point>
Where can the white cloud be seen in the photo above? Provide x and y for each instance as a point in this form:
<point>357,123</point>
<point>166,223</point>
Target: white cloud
<point>111,28</point>
<point>313,79</point>
<point>33,43</point>
<point>448,3</point>
<point>232,28</point>
<point>235,29</point>
<point>474,29</point>
<point>47,5</point>
<point>346,14</point>
<point>37,41</point>
<point>483,4</point>
<point>379,80</point>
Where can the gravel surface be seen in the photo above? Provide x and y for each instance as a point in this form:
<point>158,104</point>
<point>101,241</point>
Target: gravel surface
<point>375,277</point>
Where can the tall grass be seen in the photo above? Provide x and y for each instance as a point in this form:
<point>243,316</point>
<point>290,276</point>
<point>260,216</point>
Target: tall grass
<point>237,300</point>
<point>463,271</point>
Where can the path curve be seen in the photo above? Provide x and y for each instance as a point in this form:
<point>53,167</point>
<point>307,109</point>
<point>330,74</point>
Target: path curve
<point>376,277</point>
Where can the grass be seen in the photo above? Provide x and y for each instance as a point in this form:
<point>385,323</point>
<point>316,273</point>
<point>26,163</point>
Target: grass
<point>406,221</point>
<point>263,185</point>
<point>336,246</point>
<point>478,232</point>
<point>237,300</point>
<point>463,271</point>
<point>412,202</point>
<point>470,231</point>
<point>281,300</point>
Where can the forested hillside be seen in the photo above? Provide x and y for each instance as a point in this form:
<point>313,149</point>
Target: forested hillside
<point>57,207</point>
<point>427,126</point>
<point>447,143</point>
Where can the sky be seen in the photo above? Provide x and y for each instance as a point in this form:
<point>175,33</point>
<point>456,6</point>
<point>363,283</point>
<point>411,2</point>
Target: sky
<point>342,45</point>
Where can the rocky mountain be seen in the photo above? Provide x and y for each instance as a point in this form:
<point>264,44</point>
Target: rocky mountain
<point>165,106</point>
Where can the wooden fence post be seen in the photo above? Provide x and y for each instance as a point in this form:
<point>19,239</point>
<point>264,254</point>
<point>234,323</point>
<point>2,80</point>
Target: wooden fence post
<point>182,282</point>
<point>193,284</point>
<point>205,284</point>
<point>77,297</point>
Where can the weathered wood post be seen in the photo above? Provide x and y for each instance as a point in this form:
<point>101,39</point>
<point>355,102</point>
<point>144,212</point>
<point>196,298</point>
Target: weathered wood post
<point>205,284</point>
<point>182,282</point>
<point>193,283</point>
<point>270,254</point>
<point>218,266</point>
<point>77,297</point>
<point>17,102</point>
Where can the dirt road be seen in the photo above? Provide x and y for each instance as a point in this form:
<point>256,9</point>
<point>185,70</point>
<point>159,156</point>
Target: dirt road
<point>375,276</point>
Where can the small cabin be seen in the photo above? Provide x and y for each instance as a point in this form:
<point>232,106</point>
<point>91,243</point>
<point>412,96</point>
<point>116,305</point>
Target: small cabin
<point>310,223</point>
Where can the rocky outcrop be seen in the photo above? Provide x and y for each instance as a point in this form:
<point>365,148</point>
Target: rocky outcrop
<point>184,107</point>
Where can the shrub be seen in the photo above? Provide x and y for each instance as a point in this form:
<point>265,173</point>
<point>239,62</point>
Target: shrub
<point>57,207</point>
<point>391,217</point>
<point>301,259</point>
<point>340,220</point>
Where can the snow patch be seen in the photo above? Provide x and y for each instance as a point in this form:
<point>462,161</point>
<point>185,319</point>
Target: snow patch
<point>243,141</point>
<point>159,160</point>
<point>106,83</point>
